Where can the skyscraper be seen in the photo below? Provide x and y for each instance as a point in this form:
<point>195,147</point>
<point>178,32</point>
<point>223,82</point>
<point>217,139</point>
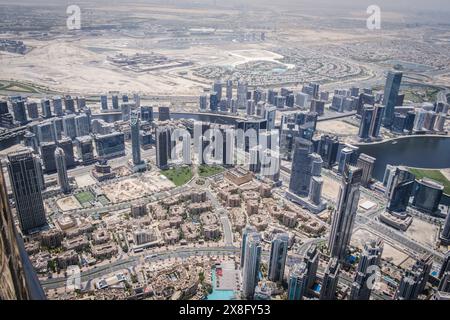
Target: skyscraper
<point>19,112</point>
<point>251,264</point>
<point>330,280</point>
<point>370,257</point>
<point>277,259</point>
<point>345,213</point>
<point>229,89</point>
<point>366,163</point>
<point>26,187</point>
<point>366,121</point>
<point>70,128</point>
<point>18,280</point>
<point>162,147</point>
<point>311,259</point>
<point>445,233</point>
<point>217,87</point>
<point>46,109</point>
<point>391,90</point>
<point>301,168</point>
<point>135,142</point>
<point>104,102</point>
<point>82,125</point>
<point>398,189</point>
<point>445,265</point>
<point>298,281</point>
<point>242,94</point>
<point>427,195</point>
<point>245,232</point>
<point>61,169</point>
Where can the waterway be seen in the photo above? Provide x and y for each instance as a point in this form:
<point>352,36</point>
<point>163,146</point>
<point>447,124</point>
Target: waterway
<point>430,152</point>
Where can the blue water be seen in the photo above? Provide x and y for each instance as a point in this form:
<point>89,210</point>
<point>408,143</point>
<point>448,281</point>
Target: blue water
<point>219,294</point>
<point>317,287</point>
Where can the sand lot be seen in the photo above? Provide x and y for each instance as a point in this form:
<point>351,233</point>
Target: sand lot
<point>390,253</point>
<point>422,232</point>
<point>136,187</point>
<point>68,203</point>
<point>337,127</point>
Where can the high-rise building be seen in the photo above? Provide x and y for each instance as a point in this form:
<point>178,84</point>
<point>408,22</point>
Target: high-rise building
<point>242,90</point>
<point>104,102</point>
<point>18,280</point>
<point>67,145</point>
<point>46,109</point>
<point>375,127</point>
<point>46,131</point>
<point>31,140</point>
<point>26,186</point>
<point>408,288</point>
<point>115,101</point>
<point>398,190</point>
<point>203,102</point>
<point>370,258</point>
<point>110,145</point>
<point>345,213</point>
<point>19,112</point>
<point>162,147</point>
<point>61,169</point>
<point>301,168</point>
<point>390,97</point>
<point>366,163</point>
<point>125,109</point>
<point>85,149</point>
<point>270,115</point>
<point>445,267</point>
<point>277,258</point>
<point>32,109</point>
<point>298,281</point>
<point>217,87</point>
<point>163,113</point>
<point>345,158</point>
<point>135,141</point>
<point>69,125</point>
<point>444,284</point>
<point>213,102</point>
<point>445,233</point>
<point>252,262</point>
<point>69,104</point>
<point>82,125</point>
<point>229,89</point>
<point>366,122</point>
<point>328,149</point>
<point>245,232</point>
<point>48,156</point>
<point>311,259</point>
<point>330,280</point>
<point>58,106</point>
<point>427,195</point>
<point>147,114</point>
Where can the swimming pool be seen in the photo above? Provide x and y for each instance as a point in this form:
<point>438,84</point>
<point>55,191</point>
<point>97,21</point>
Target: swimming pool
<point>219,294</point>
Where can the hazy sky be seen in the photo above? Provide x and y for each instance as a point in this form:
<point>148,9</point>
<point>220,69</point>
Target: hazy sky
<point>416,6</point>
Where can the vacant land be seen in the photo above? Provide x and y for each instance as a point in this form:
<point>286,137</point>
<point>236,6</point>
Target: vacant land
<point>432,174</point>
<point>178,176</point>
<point>207,171</point>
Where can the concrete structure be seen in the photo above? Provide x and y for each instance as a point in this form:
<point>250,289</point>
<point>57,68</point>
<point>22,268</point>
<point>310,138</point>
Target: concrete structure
<point>345,213</point>
<point>277,259</point>
<point>26,186</point>
<point>61,168</point>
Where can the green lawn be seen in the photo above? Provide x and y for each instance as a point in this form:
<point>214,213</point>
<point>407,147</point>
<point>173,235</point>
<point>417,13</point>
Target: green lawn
<point>207,171</point>
<point>178,176</point>
<point>84,197</point>
<point>432,174</point>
